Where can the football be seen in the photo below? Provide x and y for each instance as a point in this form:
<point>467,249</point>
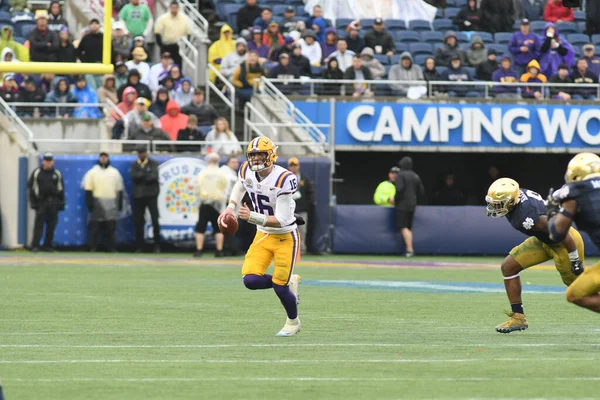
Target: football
<point>232,225</point>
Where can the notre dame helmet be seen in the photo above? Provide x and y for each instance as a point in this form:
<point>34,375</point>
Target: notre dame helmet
<point>582,165</point>
<point>261,153</point>
<point>501,197</point>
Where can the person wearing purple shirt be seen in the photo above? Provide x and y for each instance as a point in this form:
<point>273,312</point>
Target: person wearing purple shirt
<point>524,46</point>
<point>329,45</point>
<point>506,74</point>
<point>554,50</point>
<point>593,61</point>
<point>257,45</point>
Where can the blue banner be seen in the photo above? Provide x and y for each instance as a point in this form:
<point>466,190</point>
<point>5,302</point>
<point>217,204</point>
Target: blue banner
<point>463,127</point>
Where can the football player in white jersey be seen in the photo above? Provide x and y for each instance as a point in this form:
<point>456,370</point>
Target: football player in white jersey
<point>270,187</point>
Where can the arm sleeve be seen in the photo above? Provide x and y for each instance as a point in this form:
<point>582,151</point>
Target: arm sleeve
<point>235,79</point>
<point>237,193</point>
<point>284,211</point>
<point>136,173</point>
<point>546,45</point>
<point>32,196</point>
<point>153,176</point>
<point>562,50</point>
<point>61,191</point>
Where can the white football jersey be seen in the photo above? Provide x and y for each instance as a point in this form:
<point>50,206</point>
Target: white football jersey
<point>265,192</point>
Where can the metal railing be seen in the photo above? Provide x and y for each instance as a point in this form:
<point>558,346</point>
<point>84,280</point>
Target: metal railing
<point>44,108</point>
<point>18,130</point>
<point>315,87</point>
<point>266,87</point>
<point>112,108</point>
<point>199,23</point>
<point>187,48</point>
<point>228,88</point>
<point>251,127</point>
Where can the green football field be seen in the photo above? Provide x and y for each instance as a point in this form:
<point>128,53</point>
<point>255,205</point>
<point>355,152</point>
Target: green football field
<point>74,326</point>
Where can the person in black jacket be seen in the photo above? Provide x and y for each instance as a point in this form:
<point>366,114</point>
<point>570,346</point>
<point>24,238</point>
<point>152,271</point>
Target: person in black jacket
<point>497,15</point>
<point>47,198</point>
<point>247,14</point>
<point>56,20</point>
<point>204,112</point>
<point>159,107</point>
<point>30,93</point>
<point>301,62</point>
<point>144,174</point>
<point>354,41</point>
<point>358,73</point>
<point>487,68</point>
<point>43,43</point>
<point>408,188</point>
<point>90,47</point>
<point>285,70</point>
<point>380,40</point>
<point>133,80</point>
<point>66,50</point>
<point>582,75</point>
<point>332,72</point>
<point>190,133</point>
<point>469,18</point>
<point>305,203</point>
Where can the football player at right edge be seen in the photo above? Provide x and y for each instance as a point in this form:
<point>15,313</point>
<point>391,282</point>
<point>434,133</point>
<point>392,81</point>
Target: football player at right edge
<point>579,201</point>
<point>271,188</point>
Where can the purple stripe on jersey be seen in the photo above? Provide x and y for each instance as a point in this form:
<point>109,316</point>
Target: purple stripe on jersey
<point>281,194</point>
<point>285,178</point>
<point>294,253</point>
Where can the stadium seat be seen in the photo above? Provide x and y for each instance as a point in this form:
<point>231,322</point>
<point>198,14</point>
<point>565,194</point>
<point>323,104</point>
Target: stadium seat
<point>400,47</point>
<point>582,27</point>
<point>579,16</point>
<point>460,3</point>
<point>485,36</point>
<point>578,39</point>
<point>205,129</point>
<point>279,9</point>
<point>24,29</point>
<point>5,15</point>
<point>395,59</point>
<point>342,33</point>
<point>387,70</point>
<point>419,25</point>
<point>316,71</point>
<point>342,23</point>
<point>328,22</point>
<point>461,37</point>
<point>301,12</point>
<point>407,36</point>
<point>420,59</point>
<point>441,69</point>
<point>471,71</point>
<point>436,46</point>
<point>536,26</point>
<point>227,9</point>
<point>450,3</point>
<point>232,20</point>
<point>500,48</point>
<point>465,46</point>
<point>503,37</point>
<point>420,48</point>
<point>442,25</point>
<point>366,23</point>
<point>19,39</point>
<point>517,25</point>
<point>439,13</point>
<point>596,39</point>
<point>383,59</point>
<point>451,12</point>
<point>395,25</point>
<point>432,37</point>
<point>567,27</point>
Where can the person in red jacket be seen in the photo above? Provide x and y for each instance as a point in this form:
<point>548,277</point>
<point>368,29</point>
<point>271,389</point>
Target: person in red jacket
<point>556,12</point>
<point>173,121</point>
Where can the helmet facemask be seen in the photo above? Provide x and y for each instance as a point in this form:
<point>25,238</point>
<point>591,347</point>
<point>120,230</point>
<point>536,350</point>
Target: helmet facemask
<point>258,160</point>
<point>498,208</point>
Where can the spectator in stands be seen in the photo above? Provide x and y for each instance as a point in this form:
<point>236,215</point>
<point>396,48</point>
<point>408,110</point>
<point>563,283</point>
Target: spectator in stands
<point>556,12</point>
<point>18,6</point>
<point>177,76</point>
<point>134,117</point>
<point>43,43</point>
<point>562,77</point>
<point>244,76</point>
<point>257,44</point>
<point>524,46</point>
<point>10,89</point>
<point>159,107</point>
<point>121,43</point>
<point>582,75</point>
<point>329,46</point>
<point>272,37</point>
<point>46,82</point>
<point>457,73</point>
<point>147,132</point>
<point>121,74</point>
<point>592,17</point>
<point>190,133</point>
<point>108,91</point>
<point>477,52</point>
<point>168,83</point>
<point>184,94</point>
<point>158,69</point>
<point>406,70</point>
<point>497,15</point>
<point>7,40</point>
<point>8,56</point>
<point>173,120</point>
<point>170,28</point>
<point>226,142</point>
<point>137,17</point>
<point>299,31</point>
<point>266,17</point>
<point>205,113</point>
<point>285,70</point>
<point>554,50</point>
<point>30,93</point>
<point>509,75</point>
<point>469,18</point>
<point>317,12</point>
<point>140,42</point>
<point>386,190</point>
<point>332,72</point>
<point>354,41</point>
<point>375,67</point>
<point>343,55</point>
<point>449,194</point>
<point>533,10</point>
<point>133,80</point>
<point>55,16</point>
<point>66,50</point>
<point>486,69</point>
<point>62,94</point>
<point>219,49</point>
<point>90,47</point>
<point>288,43</point>
<point>288,23</point>
<point>311,49</point>
<point>85,95</point>
<point>247,15</point>
<point>128,98</point>
<point>593,61</point>
<point>533,75</point>
<point>300,61</point>
<point>358,73</point>
<point>233,60</point>
<point>449,50</point>
<point>379,39</point>
<point>318,27</point>
<point>139,64</point>
<point>430,73</point>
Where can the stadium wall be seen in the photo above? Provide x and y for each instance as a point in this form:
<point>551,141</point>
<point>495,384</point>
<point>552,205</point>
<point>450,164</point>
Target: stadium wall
<point>436,229</point>
<point>75,129</point>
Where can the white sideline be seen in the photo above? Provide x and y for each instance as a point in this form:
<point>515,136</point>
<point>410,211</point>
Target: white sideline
<point>289,345</point>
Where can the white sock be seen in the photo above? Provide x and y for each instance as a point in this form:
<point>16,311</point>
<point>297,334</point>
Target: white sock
<point>574,255</point>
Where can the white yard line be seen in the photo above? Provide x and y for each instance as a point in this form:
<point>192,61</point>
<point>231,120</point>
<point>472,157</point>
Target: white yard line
<point>290,345</point>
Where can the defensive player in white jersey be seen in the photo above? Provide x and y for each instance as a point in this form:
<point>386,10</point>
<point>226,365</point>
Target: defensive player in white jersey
<point>270,187</point>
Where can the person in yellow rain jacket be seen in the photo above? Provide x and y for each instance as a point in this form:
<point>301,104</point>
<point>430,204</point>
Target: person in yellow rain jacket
<point>386,190</point>
<point>219,49</point>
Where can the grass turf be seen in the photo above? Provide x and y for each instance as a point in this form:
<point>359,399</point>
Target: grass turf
<point>126,327</point>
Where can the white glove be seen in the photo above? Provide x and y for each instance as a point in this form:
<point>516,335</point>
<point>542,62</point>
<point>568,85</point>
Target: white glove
<point>467,23</point>
<point>296,195</point>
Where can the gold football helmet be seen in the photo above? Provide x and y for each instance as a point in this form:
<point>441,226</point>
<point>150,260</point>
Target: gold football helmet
<point>502,196</point>
<point>261,153</point>
<point>582,165</point>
